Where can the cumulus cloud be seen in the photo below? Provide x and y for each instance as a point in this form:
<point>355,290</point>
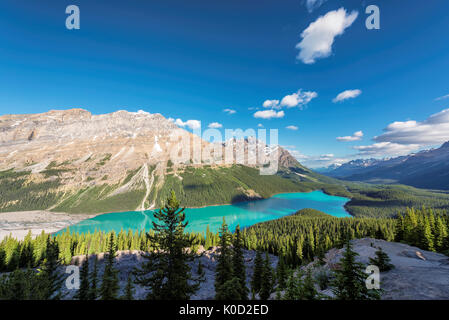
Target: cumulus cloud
<point>260,125</point>
<point>269,114</point>
<point>432,131</point>
<point>382,149</point>
<point>296,99</point>
<point>355,137</point>
<point>192,124</point>
<point>294,128</point>
<point>318,37</point>
<point>215,125</point>
<point>271,104</point>
<point>314,4</point>
<point>299,98</point>
<point>229,111</point>
<point>347,94</point>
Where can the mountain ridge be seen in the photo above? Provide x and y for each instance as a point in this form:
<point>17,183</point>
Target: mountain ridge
<point>74,161</point>
<point>425,169</point>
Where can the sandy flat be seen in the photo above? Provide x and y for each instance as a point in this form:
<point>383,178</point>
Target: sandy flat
<point>19,223</point>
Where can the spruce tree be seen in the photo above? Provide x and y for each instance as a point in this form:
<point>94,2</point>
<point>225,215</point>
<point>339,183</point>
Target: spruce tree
<point>256,280</point>
<point>224,270</point>
<point>281,274</point>
<point>267,285</point>
<point>238,264</point>
<point>93,291</point>
<point>308,290</point>
<point>51,279</point>
<point>129,289</point>
<point>382,260</point>
<point>166,272</point>
<point>83,291</point>
<point>109,285</point>
<point>349,283</point>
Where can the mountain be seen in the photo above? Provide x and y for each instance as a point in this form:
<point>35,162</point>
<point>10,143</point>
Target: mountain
<point>426,169</point>
<point>74,161</point>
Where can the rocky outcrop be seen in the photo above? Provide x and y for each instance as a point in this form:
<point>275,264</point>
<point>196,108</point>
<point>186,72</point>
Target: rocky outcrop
<point>417,274</point>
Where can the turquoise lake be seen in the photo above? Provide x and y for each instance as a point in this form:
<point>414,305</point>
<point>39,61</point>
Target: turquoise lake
<point>243,213</point>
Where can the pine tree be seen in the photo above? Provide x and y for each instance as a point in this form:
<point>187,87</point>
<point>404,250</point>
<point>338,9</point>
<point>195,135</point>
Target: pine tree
<point>441,234</point>
<point>83,291</point>
<point>51,279</point>
<point>267,285</point>
<point>224,271</point>
<point>281,274</point>
<point>93,291</point>
<point>382,260</point>
<point>349,283</point>
<point>109,285</point>
<point>238,264</point>
<point>2,259</point>
<point>256,280</point>
<point>308,290</point>
<point>129,289</point>
<point>399,229</point>
<point>166,273</point>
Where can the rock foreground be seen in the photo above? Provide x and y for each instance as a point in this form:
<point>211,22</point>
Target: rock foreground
<point>412,278</point>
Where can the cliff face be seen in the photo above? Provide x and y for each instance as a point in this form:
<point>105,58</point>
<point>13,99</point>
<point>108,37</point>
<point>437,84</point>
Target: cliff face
<point>94,146</point>
<point>120,161</point>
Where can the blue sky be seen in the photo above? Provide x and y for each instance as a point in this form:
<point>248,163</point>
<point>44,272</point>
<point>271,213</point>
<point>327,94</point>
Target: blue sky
<point>193,59</point>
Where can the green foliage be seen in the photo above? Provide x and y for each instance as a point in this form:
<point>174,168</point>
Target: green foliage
<point>224,270</point>
<point>267,278</point>
<point>18,193</point>
<point>300,237</point>
<point>166,272</point>
<point>83,291</point>
<point>129,289</point>
<point>97,199</point>
<point>382,260</point>
<point>424,228</point>
<point>238,264</point>
<point>349,282</point>
<point>256,281</point>
<point>93,290</point>
<point>51,279</point>
<point>281,274</point>
<point>109,285</point>
<point>20,285</point>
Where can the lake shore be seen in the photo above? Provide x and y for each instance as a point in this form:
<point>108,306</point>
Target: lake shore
<point>18,224</point>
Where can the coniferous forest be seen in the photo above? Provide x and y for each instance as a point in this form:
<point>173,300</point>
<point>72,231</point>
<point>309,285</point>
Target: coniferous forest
<point>30,267</point>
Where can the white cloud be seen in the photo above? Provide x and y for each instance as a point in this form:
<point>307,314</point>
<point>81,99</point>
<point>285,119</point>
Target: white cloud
<point>260,125</point>
<point>382,149</point>
<point>318,37</point>
<point>192,124</point>
<point>314,4</point>
<point>229,111</point>
<point>294,128</point>
<point>271,104</point>
<point>299,98</point>
<point>347,94</point>
<point>268,114</point>
<point>442,98</point>
<point>432,131</point>
<point>355,137</point>
<point>215,125</point>
<point>296,99</point>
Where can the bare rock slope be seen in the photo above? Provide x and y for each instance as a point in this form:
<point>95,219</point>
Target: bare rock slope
<point>418,274</point>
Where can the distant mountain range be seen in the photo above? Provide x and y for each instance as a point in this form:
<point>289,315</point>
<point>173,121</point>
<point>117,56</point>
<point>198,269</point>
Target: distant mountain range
<point>74,161</point>
<point>426,169</point>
